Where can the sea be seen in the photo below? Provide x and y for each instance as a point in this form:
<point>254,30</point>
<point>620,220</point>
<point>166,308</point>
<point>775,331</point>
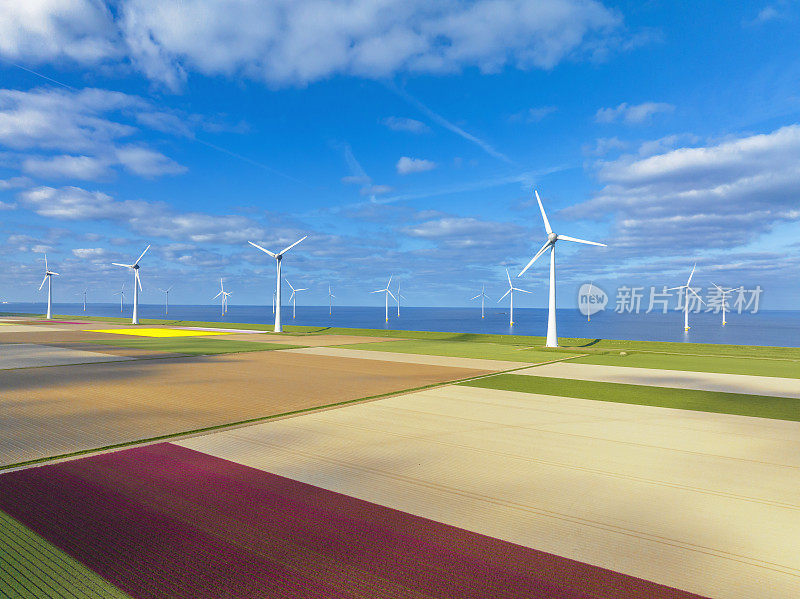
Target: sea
<point>767,327</point>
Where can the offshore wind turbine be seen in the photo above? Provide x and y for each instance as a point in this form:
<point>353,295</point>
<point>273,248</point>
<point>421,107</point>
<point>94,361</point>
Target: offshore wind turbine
<point>84,297</point>
<point>121,294</point>
<point>224,295</point>
<point>137,284</point>
<point>511,290</point>
<point>277,302</point>
<point>483,297</point>
<point>388,293</point>
<point>48,276</point>
<point>330,301</point>
<point>725,293</point>
<point>166,298</point>
<point>293,297</point>
<point>399,296</point>
<point>686,297</point>
<point>552,239</point>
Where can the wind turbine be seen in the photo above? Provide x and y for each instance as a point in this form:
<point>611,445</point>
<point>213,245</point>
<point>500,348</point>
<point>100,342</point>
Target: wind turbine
<point>686,298</point>
<point>137,284</point>
<point>399,296</point>
<point>589,314</point>
<point>388,293</point>
<point>48,277</point>
<point>552,239</point>
<point>84,297</point>
<point>293,297</point>
<point>725,293</point>
<point>511,290</point>
<point>483,296</point>
<point>121,294</point>
<point>166,298</point>
<point>330,301</point>
<point>224,295</point>
<point>278,257</point>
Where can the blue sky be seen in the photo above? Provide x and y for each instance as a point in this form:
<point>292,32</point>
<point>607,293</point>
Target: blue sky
<point>403,138</point>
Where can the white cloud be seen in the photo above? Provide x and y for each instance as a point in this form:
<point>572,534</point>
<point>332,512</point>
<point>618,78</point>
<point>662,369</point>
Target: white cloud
<point>408,165</point>
<point>632,114</point>
<point>687,199</point>
<point>459,233</point>
<point>295,42</point>
<point>44,30</point>
<point>766,14</point>
<point>145,218</point>
<point>375,190</point>
<point>86,168</point>
<point>404,124</point>
<point>533,115</point>
<point>147,163</point>
<point>93,254</point>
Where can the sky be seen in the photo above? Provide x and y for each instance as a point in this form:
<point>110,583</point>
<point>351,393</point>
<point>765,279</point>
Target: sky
<point>405,138</point>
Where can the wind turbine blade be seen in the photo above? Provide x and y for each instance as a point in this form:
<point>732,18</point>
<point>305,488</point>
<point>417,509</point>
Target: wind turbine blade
<point>544,216</point>
<point>505,294</point>
<point>508,276</point>
<point>142,256</point>
<point>695,294</point>
<point>389,283</point>
<point>302,289</point>
<point>255,245</point>
<point>54,273</point>
<point>720,288</point>
<point>289,284</point>
<point>123,265</point>
<point>518,289</point>
<point>216,296</point>
<point>576,240</point>
<point>138,279</point>
<point>689,282</point>
<point>291,296</point>
<point>675,288</point>
<point>535,258</point>
<point>390,293</point>
<point>291,246</point>
<point>474,298</point>
<point>43,282</point>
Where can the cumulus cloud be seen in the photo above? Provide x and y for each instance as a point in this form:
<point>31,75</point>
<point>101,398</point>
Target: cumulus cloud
<point>404,124</point>
<point>715,196</point>
<point>78,121</point>
<point>295,42</point>
<point>408,165</point>
<point>632,114</point>
<point>93,254</point>
<point>146,218</point>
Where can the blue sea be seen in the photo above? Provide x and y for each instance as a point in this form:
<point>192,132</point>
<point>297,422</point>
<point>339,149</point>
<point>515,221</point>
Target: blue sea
<point>768,327</point>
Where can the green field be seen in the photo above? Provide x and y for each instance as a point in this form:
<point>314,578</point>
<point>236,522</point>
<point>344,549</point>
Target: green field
<point>32,568</point>
<point>463,349</point>
<point>780,408</point>
<point>725,365</point>
<point>191,345</point>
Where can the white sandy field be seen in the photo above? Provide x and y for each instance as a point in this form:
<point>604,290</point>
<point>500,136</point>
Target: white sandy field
<point>704,502</point>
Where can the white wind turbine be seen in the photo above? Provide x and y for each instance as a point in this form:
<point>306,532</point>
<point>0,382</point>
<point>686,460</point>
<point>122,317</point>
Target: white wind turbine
<point>137,284</point>
<point>293,297</point>
<point>687,289</point>
<point>166,298</point>
<point>330,301</point>
<point>48,274</point>
<point>83,293</point>
<point>552,239</point>
<point>224,295</point>
<point>398,298</point>
<point>388,293</point>
<point>725,292</point>
<point>121,294</point>
<point>277,302</point>
<point>483,297</point>
<point>511,290</point>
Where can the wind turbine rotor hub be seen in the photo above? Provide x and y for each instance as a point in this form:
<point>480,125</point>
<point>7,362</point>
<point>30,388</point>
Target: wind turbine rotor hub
<point>135,267</point>
<point>552,237</point>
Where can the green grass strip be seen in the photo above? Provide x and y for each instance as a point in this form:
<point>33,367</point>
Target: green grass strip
<point>461,349</point>
<point>721,364</point>
<point>30,566</point>
<point>761,406</point>
<point>190,345</point>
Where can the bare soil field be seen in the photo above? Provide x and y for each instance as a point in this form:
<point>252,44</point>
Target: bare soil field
<point>63,409</point>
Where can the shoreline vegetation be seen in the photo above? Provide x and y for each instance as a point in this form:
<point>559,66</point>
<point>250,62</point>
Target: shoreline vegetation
<point>522,342</point>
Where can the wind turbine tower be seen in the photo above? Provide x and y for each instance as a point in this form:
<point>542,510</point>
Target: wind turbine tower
<point>483,296</point>
<point>121,294</point>
<point>278,257</point>
<point>48,277</point>
<point>293,297</point>
<point>388,293</point>
<point>137,284</point>
<point>398,298</point>
<point>330,301</point>
<point>687,289</point>
<point>224,295</point>
<point>166,298</point>
<point>511,290</point>
<point>552,239</point>
<point>725,292</point>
